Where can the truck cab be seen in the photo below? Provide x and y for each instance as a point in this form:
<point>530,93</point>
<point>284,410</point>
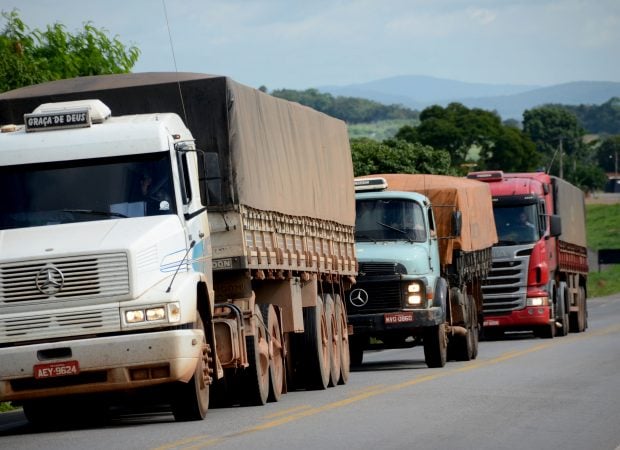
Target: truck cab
<point>104,257</point>
<point>395,298</point>
<point>520,293</point>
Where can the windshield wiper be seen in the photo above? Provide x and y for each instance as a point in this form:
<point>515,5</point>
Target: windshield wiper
<point>96,213</point>
<point>396,229</point>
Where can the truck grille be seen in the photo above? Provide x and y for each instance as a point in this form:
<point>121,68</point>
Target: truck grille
<point>87,277</point>
<point>505,289</point>
<point>58,325</point>
<point>381,268</point>
<point>382,297</point>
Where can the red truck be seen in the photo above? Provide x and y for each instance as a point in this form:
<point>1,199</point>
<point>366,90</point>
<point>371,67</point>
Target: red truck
<point>540,265</point>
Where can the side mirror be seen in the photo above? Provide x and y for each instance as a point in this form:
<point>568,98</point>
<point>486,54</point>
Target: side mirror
<point>457,223</point>
<point>209,178</point>
<point>555,225</point>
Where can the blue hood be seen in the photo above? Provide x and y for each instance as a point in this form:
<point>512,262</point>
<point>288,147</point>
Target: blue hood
<point>414,257</point>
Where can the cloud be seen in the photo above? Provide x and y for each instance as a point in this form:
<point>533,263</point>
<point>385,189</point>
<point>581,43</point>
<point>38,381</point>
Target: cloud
<point>482,16</point>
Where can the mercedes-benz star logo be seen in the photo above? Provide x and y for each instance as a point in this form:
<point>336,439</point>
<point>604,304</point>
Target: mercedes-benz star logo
<point>358,297</point>
<point>50,280</point>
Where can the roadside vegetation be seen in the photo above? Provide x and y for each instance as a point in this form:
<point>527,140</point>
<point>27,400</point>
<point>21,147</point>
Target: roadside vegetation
<point>603,231</point>
<point>381,130</point>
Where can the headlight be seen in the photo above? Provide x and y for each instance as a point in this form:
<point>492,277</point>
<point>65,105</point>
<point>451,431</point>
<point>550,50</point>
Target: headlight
<point>134,316</point>
<point>155,313</point>
<point>414,294</point>
<point>537,301</point>
<point>414,287</point>
<point>170,312</point>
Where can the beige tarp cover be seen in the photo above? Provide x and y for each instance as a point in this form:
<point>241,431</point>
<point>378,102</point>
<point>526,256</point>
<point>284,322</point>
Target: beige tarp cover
<point>274,155</point>
<point>570,206</point>
<point>290,158</point>
<point>447,194</point>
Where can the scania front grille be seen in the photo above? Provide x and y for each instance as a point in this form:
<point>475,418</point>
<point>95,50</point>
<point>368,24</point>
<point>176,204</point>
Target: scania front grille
<point>86,277</point>
<point>505,287</point>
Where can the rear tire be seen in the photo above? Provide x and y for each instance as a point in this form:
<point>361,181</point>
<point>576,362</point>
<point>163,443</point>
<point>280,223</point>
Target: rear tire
<point>334,340</point>
<point>316,346</point>
<point>190,400</point>
<point>435,346</point>
<point>578,319</point>
<point>475,329</point>
<point>254,379</point>
<point>462,347</point>
<point>563,303</point>
<point>276,352</point>
<point>343,334</point>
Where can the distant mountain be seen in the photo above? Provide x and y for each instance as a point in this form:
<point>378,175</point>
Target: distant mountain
<point>508,100</point>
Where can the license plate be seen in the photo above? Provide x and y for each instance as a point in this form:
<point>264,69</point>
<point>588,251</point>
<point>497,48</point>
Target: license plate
<point>402,317</point>
<point>491,323</point>
<point>56,369</point>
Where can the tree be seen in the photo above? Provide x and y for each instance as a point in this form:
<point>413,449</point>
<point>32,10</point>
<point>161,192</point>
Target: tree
<point>604,118</point>
<point>512,151</point>
<point>553,129</point>
<point>397,156</point>
<point>608,153</point>
<point>558,136</point>
<point>34,56</point>
<point>349,109</point>
<point>473,136</point>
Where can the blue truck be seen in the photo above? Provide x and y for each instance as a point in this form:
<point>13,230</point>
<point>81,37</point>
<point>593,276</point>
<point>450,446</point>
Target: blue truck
<point>423,245</point>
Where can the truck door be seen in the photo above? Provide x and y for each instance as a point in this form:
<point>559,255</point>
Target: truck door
<point>194,213</point>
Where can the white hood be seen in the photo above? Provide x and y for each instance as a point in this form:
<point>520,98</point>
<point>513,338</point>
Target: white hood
<point>154,245</point>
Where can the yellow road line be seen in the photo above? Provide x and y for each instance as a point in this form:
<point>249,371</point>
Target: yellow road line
<point>306,411</point>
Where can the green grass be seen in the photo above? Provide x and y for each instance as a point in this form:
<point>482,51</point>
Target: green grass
<point>603,223</point>
<point>6,406</point>
<point>379,131</point>
<point>603,231</point>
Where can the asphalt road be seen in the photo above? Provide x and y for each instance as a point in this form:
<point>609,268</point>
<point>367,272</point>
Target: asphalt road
<point>520,393</point>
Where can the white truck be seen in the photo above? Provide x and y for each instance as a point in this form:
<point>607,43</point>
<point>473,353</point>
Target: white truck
<point>174,237</point>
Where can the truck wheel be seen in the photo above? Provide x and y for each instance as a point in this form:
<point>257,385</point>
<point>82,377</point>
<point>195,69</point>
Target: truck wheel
<point>475,329</point>
<point>343,335</point>
<point>276,352</point>
<point>563,311</point>
<point>461,348</point>
<point>190,401</point>
<point>316,364</point>
<point>435,346</point>
<point>334,340</point>
<point>578,319</point>
<point>254,379</point>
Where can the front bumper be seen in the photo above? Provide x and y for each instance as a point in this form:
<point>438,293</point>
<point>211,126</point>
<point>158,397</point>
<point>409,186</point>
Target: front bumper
<point>412,320</point>
<point>106,364</point>
<point>523,319</point>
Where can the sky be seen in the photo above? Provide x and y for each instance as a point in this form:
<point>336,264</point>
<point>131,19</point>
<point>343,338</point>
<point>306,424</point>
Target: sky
<point>300,44</point>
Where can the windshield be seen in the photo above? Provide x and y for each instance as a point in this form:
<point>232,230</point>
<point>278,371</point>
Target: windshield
<point>83,190</point>
<point>516,224</point>
<point>389,219</point>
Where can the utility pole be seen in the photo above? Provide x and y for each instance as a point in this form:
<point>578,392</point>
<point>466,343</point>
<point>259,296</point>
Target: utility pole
<point>561,161</point>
